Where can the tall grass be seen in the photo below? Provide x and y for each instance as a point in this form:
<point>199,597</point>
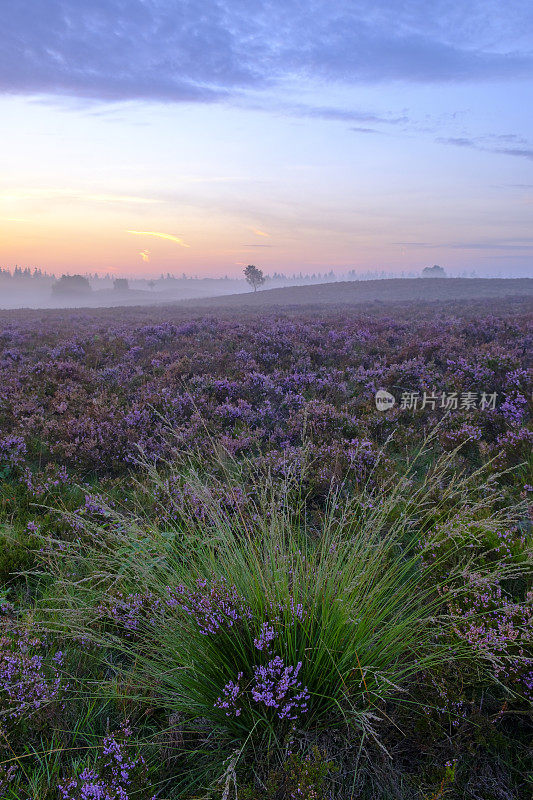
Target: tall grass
<point>188,597</point>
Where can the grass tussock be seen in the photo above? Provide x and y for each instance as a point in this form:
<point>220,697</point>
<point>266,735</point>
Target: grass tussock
<point>268,642</point>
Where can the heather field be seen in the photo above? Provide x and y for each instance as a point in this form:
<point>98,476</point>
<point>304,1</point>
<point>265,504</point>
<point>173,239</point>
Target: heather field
<point>225,573</point>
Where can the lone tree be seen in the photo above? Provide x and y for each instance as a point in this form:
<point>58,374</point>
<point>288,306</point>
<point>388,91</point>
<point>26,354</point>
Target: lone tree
<point>254,276</point>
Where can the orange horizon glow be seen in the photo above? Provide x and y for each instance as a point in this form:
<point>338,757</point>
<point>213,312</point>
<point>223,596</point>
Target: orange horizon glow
<point>90,193</point>
<point>68,249</point>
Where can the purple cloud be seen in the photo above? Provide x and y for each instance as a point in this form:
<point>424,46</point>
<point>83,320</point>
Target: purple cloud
<point>477,144</point>
<point>185,50</point>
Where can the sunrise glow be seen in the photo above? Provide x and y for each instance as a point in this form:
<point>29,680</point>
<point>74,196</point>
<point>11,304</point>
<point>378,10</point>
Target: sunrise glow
<point>391,142</point>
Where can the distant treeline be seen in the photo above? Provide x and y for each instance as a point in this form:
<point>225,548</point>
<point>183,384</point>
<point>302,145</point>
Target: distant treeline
<point>26,273</point>
<point>35,273</point>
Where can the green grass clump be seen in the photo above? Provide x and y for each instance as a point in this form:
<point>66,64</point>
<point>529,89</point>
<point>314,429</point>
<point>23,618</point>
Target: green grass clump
<point>258,628</point>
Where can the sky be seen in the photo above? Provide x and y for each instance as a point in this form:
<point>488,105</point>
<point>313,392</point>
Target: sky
<point>198,136</point>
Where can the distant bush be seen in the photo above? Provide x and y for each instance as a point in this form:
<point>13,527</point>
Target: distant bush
<point>433,272</point>
<point>121,284</point>
<point>71,284</point>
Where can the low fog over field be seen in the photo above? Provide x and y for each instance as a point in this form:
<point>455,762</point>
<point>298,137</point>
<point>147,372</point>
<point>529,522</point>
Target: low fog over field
<point>26,289</point>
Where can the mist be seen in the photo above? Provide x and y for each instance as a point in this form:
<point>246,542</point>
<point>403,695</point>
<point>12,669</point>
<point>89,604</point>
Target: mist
<point>22,288</point>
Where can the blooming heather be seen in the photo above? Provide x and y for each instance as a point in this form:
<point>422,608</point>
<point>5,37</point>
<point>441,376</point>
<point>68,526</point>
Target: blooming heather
<point>87,390</point>
<point>212,606</point>
<point>273,686</point>
<point>115,776</point>
<point>27,681</point>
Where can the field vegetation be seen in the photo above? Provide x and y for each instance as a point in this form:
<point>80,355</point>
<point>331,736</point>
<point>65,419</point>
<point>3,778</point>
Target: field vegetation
<point>225,574</point>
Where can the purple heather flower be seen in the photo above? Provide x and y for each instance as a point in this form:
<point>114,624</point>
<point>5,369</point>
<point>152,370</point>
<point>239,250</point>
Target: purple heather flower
<point>112,778</point>
<point>228,701</point>
<point>277,686</point>
<point>267,635</point>
<point>26,681</point>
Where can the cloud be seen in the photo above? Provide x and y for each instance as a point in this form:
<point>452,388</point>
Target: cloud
<point>52,193</point>
<point>327,113</point>
<point>145,255</point>
<point>365,130</point>
<point>170,236</point>
<point>217,50</point>
<point>477,144</point>
<point>343,114</point>
<point>457,141</point>
<point>117,198</point>
<point>524,244</point>
<point>260,233</point>
<point>508,137</point>
<point>520,152</point>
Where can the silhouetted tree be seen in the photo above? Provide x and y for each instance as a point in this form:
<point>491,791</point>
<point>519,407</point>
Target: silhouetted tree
<point>121,284</point>
<point>71,284</point>
<point>433,272</point>
<point>254,276</point>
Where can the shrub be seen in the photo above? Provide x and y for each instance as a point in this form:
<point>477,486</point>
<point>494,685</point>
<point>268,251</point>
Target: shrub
<point>71,284</point>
